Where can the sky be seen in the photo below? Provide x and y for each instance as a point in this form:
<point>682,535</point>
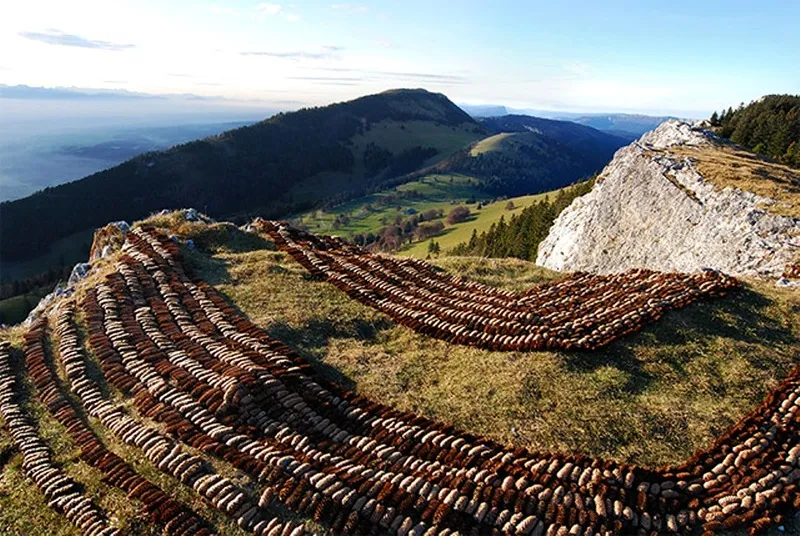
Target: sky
<point>680,57</point>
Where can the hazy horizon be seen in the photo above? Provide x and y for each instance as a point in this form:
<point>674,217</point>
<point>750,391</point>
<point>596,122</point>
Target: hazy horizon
<point>685,58</point>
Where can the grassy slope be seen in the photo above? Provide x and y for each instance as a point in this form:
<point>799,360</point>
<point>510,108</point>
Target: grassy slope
<point>727,165</point>
<point>481,221</point>
<point>70,249</point>
<point>15,309</point>
<point>396,137</point>
<point>489,144</point>
<point>653,398</point>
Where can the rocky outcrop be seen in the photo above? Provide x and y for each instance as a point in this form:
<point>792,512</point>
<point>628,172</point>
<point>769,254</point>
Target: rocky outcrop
<point>651,208</point>
<point>108,239</point>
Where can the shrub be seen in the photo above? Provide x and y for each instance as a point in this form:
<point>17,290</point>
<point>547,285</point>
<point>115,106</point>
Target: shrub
<point>458,214</point>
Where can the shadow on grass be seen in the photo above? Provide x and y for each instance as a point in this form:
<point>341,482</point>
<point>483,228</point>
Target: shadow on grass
<point>6,453</point>
<point>310,340</point>
<point>742,316</point>
<point>212,270</point>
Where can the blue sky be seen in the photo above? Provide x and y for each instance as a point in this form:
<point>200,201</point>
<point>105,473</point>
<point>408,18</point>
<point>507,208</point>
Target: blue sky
<point>678,57</point>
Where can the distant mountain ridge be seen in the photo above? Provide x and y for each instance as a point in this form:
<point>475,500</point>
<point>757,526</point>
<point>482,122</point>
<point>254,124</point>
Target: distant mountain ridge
<point>484,110</point>
<point>627,126</point>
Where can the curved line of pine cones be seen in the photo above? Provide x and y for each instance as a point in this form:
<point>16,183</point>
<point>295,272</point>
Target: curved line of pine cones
<point>203,379</point>
<point>580,312</point>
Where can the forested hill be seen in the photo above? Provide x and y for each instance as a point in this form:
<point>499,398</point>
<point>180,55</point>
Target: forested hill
<point>285,164</point>
<point>531,155</point>
<point>769,126</point>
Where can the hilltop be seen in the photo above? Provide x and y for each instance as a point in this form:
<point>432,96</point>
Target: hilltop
<point>278,166</point>
<point>528,155</point>
<point>653,397</point>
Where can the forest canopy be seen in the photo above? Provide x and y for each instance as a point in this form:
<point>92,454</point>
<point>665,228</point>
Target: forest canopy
<point>769,126</point>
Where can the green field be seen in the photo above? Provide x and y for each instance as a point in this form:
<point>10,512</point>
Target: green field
<point>15,309</point>
<point>370,213</point>
<point>480,221</point>
<point>489,144</point>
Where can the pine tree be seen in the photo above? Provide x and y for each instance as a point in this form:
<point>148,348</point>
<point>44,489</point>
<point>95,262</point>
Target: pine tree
<point>473,240</point>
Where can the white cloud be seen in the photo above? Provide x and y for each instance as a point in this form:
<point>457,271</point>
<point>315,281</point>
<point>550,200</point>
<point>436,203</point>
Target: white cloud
<point>292,17</point>
<point>266,8</point>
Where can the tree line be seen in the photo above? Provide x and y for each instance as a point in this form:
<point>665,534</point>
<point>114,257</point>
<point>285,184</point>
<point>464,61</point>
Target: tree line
<point>769,126</point>
<point>521,235</point>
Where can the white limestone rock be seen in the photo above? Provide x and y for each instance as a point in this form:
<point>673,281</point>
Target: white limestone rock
<point>656,211</point>
<point>79,271</point>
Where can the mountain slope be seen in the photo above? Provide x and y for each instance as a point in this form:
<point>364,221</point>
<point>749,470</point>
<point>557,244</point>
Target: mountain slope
<point>286,163</point>
<point>531,155</point>
<point>681,199</point>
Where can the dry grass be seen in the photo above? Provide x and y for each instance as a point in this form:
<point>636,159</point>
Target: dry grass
<point>652,398</point>
<point>728,165</point>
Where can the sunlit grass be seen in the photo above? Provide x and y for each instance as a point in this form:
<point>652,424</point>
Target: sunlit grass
<point>652,398</point>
